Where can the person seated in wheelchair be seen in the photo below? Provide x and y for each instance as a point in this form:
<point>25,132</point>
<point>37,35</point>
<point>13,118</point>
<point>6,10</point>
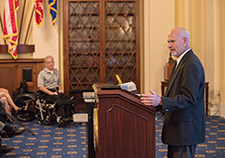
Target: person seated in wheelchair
<point>49,80</point>
<point>49,83</point>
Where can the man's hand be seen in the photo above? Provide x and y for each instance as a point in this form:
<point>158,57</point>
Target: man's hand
<point>45,90</point>
<point>60,91</point>
<point>53,93</point>
<point>151,99</point>
<point>4,90</point>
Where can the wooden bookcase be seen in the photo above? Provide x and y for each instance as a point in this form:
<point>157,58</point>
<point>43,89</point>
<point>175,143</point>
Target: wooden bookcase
<point>101,39</point>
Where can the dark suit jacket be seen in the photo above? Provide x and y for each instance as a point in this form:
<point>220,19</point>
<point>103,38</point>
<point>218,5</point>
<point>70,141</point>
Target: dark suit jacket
<point>183,104</point>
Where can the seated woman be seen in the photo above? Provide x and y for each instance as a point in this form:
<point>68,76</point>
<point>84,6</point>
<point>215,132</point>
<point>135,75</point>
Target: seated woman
<point>5,96</point>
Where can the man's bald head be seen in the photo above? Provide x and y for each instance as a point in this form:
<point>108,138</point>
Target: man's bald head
<point>179,41</point>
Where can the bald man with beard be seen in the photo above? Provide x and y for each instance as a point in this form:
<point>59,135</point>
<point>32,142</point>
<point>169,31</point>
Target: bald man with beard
<point>183,103</point>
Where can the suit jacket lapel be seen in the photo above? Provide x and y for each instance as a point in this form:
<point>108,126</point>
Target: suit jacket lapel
<point>172,79</point>
<point>176,72</point>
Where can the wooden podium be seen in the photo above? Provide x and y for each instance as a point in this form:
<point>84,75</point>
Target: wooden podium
<point>126,128</point>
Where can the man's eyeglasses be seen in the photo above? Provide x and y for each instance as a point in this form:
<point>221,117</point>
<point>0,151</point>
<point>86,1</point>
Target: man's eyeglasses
<point>50,62</point>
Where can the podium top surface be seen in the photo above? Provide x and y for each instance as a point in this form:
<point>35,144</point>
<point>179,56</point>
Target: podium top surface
<point>123,94</point>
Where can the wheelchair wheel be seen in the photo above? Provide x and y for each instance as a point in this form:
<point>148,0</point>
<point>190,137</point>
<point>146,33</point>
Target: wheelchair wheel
<point>25,101</point>
<point>44,115</point>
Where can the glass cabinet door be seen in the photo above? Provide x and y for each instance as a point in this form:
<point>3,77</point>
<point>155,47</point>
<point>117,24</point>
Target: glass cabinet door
<point>84,50</point>
<point>120,41</point>
<point>101,39</point>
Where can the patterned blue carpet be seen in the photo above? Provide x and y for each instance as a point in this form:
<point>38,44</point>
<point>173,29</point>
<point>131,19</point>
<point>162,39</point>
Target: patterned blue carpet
<point>213,147</point>
<point>49,142</point>
<point>71,141</point>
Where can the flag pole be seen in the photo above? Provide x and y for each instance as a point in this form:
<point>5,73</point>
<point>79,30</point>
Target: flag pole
<point>24,4</point>
<point>28,29</point>
<point>2,26</point>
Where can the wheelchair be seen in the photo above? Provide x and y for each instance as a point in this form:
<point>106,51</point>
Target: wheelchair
<point>26,102</point>
<point>45,108</point>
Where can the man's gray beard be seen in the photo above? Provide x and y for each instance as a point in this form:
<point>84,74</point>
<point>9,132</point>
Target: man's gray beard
<point>174,54</point>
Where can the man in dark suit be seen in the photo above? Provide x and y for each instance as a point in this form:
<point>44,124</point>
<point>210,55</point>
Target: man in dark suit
<point>183,103</point>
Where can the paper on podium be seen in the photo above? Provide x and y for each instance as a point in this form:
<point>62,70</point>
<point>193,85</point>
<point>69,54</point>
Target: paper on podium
<point>129,86</point>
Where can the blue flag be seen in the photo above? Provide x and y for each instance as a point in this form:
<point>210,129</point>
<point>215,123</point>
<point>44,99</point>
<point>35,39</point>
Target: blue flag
<point>52,5</point>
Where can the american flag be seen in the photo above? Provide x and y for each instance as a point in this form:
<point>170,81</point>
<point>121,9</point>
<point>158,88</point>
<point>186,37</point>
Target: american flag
<point>10,29</point>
